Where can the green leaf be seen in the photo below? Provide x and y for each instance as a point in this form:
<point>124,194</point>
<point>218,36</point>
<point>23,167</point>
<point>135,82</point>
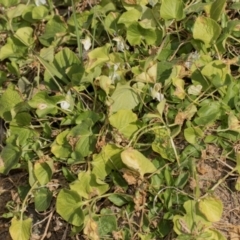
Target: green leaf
<point>54,27</point>
<point>107,222</point>
<point>88,185</point>
<point>162,144</point>
<point>136,161</point>
<point>211,208</point>
<point>8,101</point>
<point>9,156</point>
<point>47,54</point>
<point>23,119</point>
<point>206,30</point>
<point>75,73</point>
<point>60,147</point>
<point>172,10</point>
<point>9,3</point>
<point>98,56</point>
<point>216,235</point>
<point>237,184</point>
<point>109,158</point>
<point>84,139</point>
<point>187,224</point>
<point>70,177</point>
<point>69,207</point>
<point>42,199</point>
<point>61,151</point>
<point>125,122</point>
<point>238,161</point>
<point>215,68</point>
<point>24,135</point>
<point>124,97</point>
<point>20,229</point>
<point>31,178</point>
<point>62,61</point>
<point>217,8</point>
<point>25,35</point>
<point>119,200</point>
<point>3,77</point>
<point>192,135</point>
<point>45,104</point>
<point>39,12</point>
<point>16,11</point>
<point>208,113</point>
<point>13,48</point>
<point>130,17</point>
<point>136,33</point>
<point>43,172</point>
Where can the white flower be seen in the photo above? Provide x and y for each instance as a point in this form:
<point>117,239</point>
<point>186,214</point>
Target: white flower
<point>114,76</point>
<point>40,2</point>
<point>193,56</point>
<point>64,105</point>
<point>86,43</point>
<point>156,92</point>
<point>120,44</point>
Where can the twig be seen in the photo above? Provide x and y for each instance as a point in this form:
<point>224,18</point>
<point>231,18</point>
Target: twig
<point>47,226</point>
<point>65,233</point>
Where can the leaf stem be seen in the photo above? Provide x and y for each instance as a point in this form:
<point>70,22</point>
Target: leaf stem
<point>77,33</point>
<point>23,208</point>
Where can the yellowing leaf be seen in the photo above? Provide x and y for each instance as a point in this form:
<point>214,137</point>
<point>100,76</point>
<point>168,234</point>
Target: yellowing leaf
<point>211,208</point>
<point>124,97</point>
<point>68,205</point>
<point>206,30</point>
<point>91,230</point>
<point>136,161</point>
<point>179,91</point>
<point>25,35</point>
<point>105,83</point>
<point>237,185</point>
<point>98,56</point>
<point>233,123</point>
<point>20,229</point>
<point>149,76</point>
<point>172,9</point>
<point>125,122</point>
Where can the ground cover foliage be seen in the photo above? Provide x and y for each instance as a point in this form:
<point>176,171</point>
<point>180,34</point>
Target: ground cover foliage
<point>120,119</point>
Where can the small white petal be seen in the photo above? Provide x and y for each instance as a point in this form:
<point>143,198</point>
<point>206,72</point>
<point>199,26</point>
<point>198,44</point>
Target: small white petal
<point>120,44</point>
<point>159,97</point>
<point>40,2</point>
<point>193,56</point>
<point>155,92</point>
<point>116,66</point>
<point>114,77</point>
<point>64,105</point>
<point>86,43</point>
